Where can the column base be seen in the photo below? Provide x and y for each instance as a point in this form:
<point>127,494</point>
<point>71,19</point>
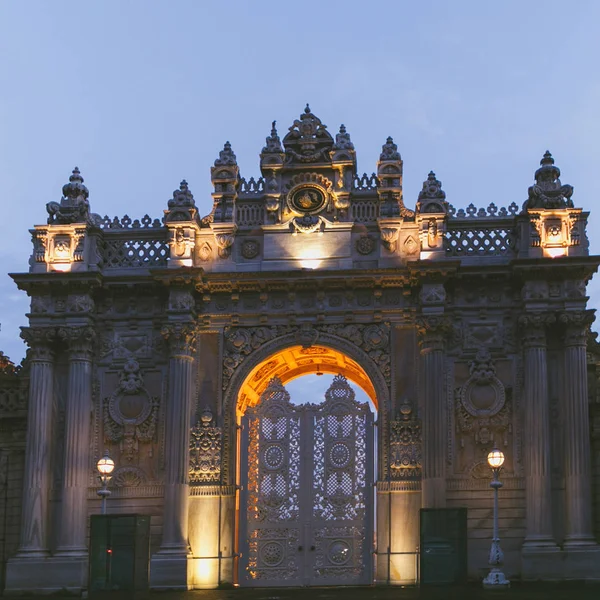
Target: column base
<point>580,563</point>
<point>47,575</point>
<point>170,571</point>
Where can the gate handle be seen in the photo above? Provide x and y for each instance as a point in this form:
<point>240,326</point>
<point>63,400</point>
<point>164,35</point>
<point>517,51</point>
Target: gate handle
<point>300,548</point>
<point>312,547</point>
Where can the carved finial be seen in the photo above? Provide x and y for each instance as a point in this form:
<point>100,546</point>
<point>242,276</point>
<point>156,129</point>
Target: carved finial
<point>273,145</point>
<point>182,196</point>
<point>389,151</point>
<point>307,108</point>
<point>342,140</point>
<point>226,156</point>
<point>548,191</point>
<point>432,188</point>
<point>74,206</point>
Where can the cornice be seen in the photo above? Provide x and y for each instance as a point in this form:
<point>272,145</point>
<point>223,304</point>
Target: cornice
<point>31,282</point>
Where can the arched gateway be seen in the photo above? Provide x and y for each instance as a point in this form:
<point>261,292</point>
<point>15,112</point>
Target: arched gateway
<point>467,329</point>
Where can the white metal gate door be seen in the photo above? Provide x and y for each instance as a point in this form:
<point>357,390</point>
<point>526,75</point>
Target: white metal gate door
<point>306,512</point>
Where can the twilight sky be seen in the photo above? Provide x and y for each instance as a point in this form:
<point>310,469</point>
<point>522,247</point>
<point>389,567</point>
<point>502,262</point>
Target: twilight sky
<point>141,94</point>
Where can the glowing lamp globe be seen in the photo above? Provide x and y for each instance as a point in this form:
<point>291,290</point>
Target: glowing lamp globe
<point>495,458</point>
<point>106,465</point>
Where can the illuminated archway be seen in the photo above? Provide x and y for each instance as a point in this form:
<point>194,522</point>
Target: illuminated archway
<point>296,361</point>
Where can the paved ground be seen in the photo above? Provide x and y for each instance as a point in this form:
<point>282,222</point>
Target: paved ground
<point>472,592</point>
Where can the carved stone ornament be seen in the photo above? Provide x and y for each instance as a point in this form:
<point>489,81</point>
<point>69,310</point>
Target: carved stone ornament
<point>432,199</point>
<point>308,193</point>
<point>79,340</point>
<point>130,413</point>
<point>250,249</point>
<point>308,140</point>
<point>389,237</point>
<point>74,206</point>
<point>205,450</point>
<point>205,252</point>
<point>181,338</point>
<point>577,325</point>
<point>548,191</point>
<point>128,476</point>
<point>365,244</point>
<point>433,293</point>
<point>224,243</point>
<point>241,342</point>
<point>405,445</point>
<point>389,151</point>
<point>480,404</point>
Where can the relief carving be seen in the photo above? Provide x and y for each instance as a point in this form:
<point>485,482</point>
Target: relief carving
<point>205,450</point>
<point>405,445</point>
<point>483,410</point>
<point>130,413</point>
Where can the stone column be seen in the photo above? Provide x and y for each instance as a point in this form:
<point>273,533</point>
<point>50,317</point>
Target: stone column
<point>76,472</point>
<point>36,479</point>
<point>432,330</point>
<point>536,446</point>
<point>577,465</point>
<point>182,345</point>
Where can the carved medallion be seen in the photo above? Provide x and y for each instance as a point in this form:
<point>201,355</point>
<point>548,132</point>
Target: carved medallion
<point>365,244</point>
<point>307,200</point>
<point>250,249</point>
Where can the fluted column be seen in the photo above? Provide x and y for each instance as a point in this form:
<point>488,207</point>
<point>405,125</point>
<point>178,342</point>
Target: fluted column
<point>76,470</point>
<point>182,345</point>
<point>577,466</point>
<point>536,447</point>
<point>435,448</point>
<point>36,478</point>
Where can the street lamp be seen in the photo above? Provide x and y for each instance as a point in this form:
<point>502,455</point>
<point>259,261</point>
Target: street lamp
<point>105,466</point>
<point>496,578</point>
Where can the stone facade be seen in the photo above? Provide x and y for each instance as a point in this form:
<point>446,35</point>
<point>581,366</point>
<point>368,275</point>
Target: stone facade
<point>471,328</point>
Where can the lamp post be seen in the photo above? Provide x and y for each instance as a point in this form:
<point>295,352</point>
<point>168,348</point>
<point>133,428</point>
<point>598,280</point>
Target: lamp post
<point>495,578</point>
<point>105,466</point>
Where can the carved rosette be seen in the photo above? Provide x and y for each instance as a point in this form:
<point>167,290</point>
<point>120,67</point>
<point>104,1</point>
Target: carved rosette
<point>205,451</point>
<point>130,413</point>
<point>79,340</point>
<point>181,338</point>
<point>405,445</point>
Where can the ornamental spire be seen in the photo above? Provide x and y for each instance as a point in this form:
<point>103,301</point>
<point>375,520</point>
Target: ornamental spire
<point>548,191</point>
<point>226,156</point>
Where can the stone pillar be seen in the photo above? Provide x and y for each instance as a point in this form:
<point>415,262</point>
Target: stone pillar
<point>432,330</point>
<point>577,465</point>
<point>36,479</point>
<point>72,540</point>
<point>170,565</point>
<point>536,446</point>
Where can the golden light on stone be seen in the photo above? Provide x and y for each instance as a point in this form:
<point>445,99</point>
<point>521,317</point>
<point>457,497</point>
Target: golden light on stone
<point>294,362</point>
<point>311,258</point>
<point>495,458</point>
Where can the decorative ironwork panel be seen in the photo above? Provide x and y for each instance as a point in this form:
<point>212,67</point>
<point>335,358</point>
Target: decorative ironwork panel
<point>307,472</point>
<point>270,515</point>
<point>342,481</point>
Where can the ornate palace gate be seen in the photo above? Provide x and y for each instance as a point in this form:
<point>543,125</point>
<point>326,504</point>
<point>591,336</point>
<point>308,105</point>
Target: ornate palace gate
<point>307,485</point>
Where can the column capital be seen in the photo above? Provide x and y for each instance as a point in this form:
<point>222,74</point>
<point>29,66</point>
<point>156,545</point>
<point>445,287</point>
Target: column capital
<point>40,341</point>
<point>79,340</point>
<point>532,327</point>
<point>181,338</point>
<point>432,331</point>
<point>577,324</point>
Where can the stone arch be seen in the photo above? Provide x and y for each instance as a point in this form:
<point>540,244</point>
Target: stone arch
<point>379,381</point>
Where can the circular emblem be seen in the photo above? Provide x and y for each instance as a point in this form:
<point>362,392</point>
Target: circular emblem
<point>271,554</point>
<point>307,199</point>
<point>273,457</point>
<point>365,244</point>
<point>250,249</point>
<point>339,552</point>
<point>339,455</point>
